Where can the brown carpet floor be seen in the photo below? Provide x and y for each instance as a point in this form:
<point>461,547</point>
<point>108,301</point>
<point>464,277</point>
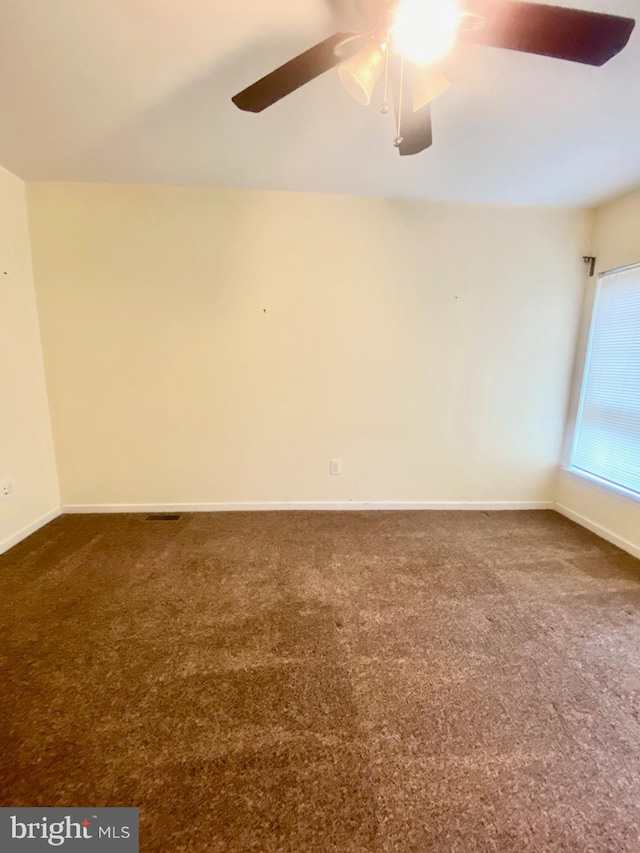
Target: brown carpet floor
<point>403,681</point>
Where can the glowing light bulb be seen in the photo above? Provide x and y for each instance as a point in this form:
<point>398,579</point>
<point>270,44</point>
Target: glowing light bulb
<point>424,30</point>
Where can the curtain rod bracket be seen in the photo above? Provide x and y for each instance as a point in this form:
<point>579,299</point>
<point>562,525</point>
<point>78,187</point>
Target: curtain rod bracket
<point>589,259</point>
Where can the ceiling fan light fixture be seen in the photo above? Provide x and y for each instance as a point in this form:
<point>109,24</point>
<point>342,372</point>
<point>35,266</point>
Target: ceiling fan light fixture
<point>424,32</point>
<point>349,46</point>
<point>360,74</point>
<point>471,21</point>
<point>427,84</point>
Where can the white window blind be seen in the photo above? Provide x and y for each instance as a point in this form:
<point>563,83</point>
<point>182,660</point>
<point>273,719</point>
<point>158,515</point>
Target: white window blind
<point>607,437</point>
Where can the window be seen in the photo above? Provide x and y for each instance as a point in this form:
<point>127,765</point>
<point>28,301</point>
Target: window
<point>607,436</point>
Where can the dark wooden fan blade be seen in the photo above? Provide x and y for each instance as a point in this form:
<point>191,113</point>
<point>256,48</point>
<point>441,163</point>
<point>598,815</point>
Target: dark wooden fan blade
<point>414,125</point>
<point>416,131</point>
<point>591,38</point>
<point>297,72</point>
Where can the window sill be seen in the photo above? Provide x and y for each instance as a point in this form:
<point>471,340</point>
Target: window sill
<point>603,485</point>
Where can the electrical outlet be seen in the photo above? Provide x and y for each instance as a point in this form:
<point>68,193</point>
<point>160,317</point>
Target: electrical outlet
<point>335,467</point>
<point>6,490</point>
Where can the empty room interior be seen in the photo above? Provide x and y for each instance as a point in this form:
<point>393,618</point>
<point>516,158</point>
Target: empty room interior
<point>320,426</point>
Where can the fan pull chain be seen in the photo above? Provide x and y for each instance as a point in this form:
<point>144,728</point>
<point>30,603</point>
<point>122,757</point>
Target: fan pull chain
<point>384,106</point>
<point>399,140</point>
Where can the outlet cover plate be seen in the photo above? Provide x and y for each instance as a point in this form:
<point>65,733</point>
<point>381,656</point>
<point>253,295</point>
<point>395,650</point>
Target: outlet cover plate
<point>6,490</point>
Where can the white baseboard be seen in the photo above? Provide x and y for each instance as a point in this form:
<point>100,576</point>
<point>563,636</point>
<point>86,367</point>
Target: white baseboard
<point>29,529</point>
<point>270,506</point>
<point>603,532</point>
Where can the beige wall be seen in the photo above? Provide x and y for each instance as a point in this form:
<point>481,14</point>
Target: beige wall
<point>26,449</point>
<point>211,346</point>
<point>616,243</point>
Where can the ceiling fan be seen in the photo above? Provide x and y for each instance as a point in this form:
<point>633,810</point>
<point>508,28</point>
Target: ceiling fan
<point>404,41</point>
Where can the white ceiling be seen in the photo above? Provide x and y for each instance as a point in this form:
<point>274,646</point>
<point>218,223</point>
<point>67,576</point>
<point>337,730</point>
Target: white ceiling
<point>138,91</point>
